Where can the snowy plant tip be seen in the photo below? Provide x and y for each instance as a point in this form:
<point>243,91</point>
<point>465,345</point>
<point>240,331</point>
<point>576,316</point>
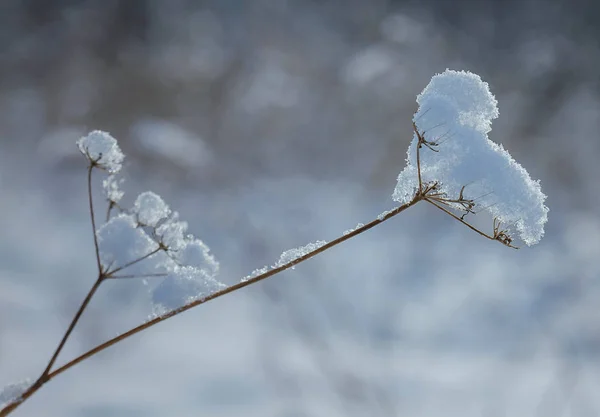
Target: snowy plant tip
<point>455,114</point>
<point>102,150</point>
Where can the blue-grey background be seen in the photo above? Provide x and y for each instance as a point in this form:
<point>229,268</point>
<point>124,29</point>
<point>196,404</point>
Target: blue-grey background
<point>270,124</point>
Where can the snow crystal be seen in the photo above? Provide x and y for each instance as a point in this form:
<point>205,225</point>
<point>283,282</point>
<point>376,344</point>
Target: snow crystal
<point>255,273</point>
<point>120,242</point>
<point>100,147</point>
<point>13,391</point>
<point>358,226</point>
<point>112,192</point>
<point>456,110</point>
<point>293,254</point>
<point>194,252</point>
<point>183,285</point>
<point>382,215</point>
<point>172,233</point>
<point>190,268</point>
<point>150,209</point>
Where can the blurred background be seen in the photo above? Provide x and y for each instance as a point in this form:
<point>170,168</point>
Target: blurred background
<point>271,124</point>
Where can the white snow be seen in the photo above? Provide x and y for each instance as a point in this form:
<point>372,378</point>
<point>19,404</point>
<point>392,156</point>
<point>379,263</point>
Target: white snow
<point>112,191</point>
<point>255,273</point>
<point>456,110</point>
<point>121,241</point>
<point>196,253</point>
<point>183,285</point>
<point>293,254</point>
<point>101,148</point>
<point>150,209</point>
<point>172,233</point>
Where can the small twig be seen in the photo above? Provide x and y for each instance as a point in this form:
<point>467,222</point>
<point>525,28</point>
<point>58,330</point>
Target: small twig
<point>128,264</point>
<point>418,156</point>
<point>91,292</point>
<point>92,216</point>
<point>500,236</point>
<point>108,210</point>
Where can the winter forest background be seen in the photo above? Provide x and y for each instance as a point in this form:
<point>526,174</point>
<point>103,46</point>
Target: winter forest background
<point>271,124</point>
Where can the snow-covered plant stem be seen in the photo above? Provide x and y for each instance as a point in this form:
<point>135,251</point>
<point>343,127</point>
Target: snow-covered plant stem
<point>185,260</point>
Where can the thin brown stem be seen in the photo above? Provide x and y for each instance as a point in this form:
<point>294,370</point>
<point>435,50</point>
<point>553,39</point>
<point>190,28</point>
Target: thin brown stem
<point>91,292</point>
<point>93,217</point>
<point>448,212</point>
<point>108,210</point>
<point>46,374</point>
<point>128,264</point>
<point>499,236</point>
<point>82,307</point>
<point>418,155</point>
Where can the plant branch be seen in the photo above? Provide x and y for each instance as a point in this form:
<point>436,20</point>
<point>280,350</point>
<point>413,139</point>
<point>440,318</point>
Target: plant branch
<point>76,318</point>
<point>235,287</point>
<point>128,264</point>
<point>499,236</point>
<point>93,217</point>
<point>92,291</point>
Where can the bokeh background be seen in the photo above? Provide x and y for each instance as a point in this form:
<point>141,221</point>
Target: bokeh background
<point>270,124</point>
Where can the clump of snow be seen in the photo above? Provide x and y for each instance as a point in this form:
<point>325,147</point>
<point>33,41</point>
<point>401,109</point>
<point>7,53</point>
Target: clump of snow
<point>456,110</point>
<point>149,239</point>
<point>150,209</point>
<point>121,241</point>
<point>12,392</point>
<point>111,188</point>
<point>255,273</point>
<point>171,233</point>
<point>103,150</point>
<point>293,254</point>
<point>184,284</point>
<point>383,215</point>
<point>196,253</point>
<point>358,226</point>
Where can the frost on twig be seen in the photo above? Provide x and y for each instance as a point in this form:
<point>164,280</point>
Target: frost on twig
<point>286,258</point>
<point>462,167</point>
<point>291,255</point>
<point>255,273</point>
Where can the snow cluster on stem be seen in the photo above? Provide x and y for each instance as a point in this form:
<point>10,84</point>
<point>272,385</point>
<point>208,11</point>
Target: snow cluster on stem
<point>452,123</point>
<point>148,240</point>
